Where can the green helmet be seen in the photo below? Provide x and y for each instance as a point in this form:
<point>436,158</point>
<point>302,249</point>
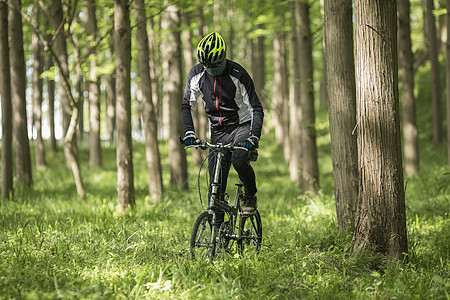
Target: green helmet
<point>211,51</point>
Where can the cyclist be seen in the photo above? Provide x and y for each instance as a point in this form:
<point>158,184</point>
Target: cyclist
<point>234,111</point>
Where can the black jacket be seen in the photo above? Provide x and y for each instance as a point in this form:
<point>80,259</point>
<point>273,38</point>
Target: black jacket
<point>229,99</point>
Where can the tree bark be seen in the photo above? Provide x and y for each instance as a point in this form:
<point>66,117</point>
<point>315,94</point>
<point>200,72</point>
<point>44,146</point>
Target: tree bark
<point>149,116</point>
<point>48,62</point>
<point>200,119</point>
<point>309,165</point>
<point>95,150</point>
<point>37,93</point>
<point>436,94</point>
<point>68,103</point>
<point>380,222</point>
<point>189,62</point>
<point>18,85</point>
<point>447,46</point>
<point>122,37</point>
<point>60,47</point>
<point>5,92</point>
<point>410,137</point>
<point>294,100</point>
<point>173,93</point>
<point>341,86</point>
<point>280,96</point>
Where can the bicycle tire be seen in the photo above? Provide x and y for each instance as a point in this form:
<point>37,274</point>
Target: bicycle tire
<point>201,245</point>
<point>250,233</point>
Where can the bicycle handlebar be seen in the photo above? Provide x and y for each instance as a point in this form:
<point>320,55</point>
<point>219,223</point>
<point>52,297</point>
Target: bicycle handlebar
<point>205,144</point>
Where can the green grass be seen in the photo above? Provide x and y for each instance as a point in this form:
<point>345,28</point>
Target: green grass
<point>54,245</point>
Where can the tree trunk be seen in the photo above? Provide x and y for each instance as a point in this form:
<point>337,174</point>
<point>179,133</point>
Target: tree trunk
<point>380,221</point>
<point>294,100</point>
<point>68,103</point>
<point>150,121</point>
<point>309,165</point>
<point>48,62</point>
<point>5,92</point>
<point>173,93</point>
<point>111,98</point>
<point>122,38</point>
<point>95,150</point>
<point>61,60</point>
<point>410,138</point>
<point>438,132</point>
<point>448,79</point>
<point>341,86</point>
<point>18,85</point>
<point>37,94</point>
<point>154,78</point>
<point>280,96</point>
<point>188,52</point>
<point>200,119</point>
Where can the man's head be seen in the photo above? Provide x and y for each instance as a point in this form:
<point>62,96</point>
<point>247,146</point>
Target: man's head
<point>211,53</point>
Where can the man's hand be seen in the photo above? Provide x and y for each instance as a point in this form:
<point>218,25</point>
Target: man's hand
<point>190,139</point>
<point>251,143</point>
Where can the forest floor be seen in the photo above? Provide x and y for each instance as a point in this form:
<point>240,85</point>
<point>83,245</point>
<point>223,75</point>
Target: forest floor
<point>54,245</point>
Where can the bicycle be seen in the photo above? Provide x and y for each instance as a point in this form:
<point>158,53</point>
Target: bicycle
<point>243,230</point>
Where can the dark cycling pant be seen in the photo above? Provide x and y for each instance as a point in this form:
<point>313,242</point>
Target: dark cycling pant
<point>240,160</point>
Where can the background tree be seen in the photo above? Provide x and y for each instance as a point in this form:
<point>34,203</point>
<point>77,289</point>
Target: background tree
<point>149,116</point>
<point>280,98</point>
<point>173,94</point>
<point>341,86</point>
<point>447,46</point>
<point>380,222</point>
<point>69,104</point>
<point>5,93</point>
<point>411,144</point>
<point>50,83</point>
<point>294,98</point>
<point>309,180</point>
<point>122,38</point>
<point>90,24</point>
<point>431,37</point>
<point>37,93</point>
<point>18,85</point>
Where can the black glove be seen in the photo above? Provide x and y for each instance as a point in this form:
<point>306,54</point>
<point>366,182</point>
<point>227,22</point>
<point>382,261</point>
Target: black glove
<point>251,143</point>
<point>190,139</point>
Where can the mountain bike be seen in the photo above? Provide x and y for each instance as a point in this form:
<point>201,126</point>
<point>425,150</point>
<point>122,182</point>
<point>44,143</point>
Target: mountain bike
<point>239,232</point>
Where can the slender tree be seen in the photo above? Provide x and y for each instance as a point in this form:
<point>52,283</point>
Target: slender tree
<point>173,92</point>
<point>309,165</point>
<point>341,86</point>
<point>448,79</point>
<point>18,84</point>
<point>149,116</point>
<point>296,112</point>
<point>48,62</point>
<point>380,221</point>
<point>95,150</point>
<point>5,93</point>
<point>68,102</point>
<point>280,96</point>
<point>436,93</point>
<point>122,38</point>
<point>410,137</point>
<point>37,92</point>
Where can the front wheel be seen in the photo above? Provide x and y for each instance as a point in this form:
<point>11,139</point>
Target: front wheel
<point>203,244</point>
<point>250,233</point>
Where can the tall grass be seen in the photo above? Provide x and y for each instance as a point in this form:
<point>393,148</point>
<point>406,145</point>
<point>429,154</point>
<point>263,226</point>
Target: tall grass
<point>54,245</point>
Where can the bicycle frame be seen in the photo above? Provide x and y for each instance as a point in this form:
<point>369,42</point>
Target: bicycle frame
<point>215,203</point>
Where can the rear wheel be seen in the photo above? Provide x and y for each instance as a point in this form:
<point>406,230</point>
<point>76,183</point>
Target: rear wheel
<point>250,233</point>
<point>202,243</point>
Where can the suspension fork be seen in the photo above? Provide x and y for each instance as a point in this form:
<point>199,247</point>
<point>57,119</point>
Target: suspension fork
<point>215,184</point>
